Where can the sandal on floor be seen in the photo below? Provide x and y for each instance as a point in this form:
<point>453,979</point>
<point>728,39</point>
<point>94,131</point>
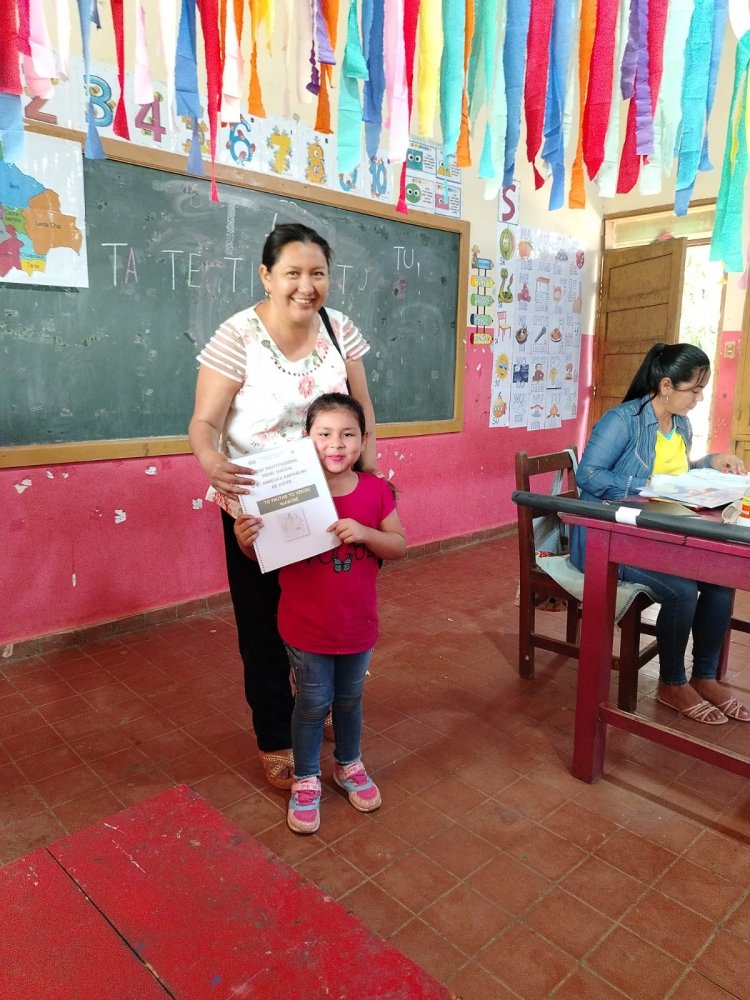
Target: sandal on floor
<point>699,712</point>
<point>279,767</point>
<point>733,709</point>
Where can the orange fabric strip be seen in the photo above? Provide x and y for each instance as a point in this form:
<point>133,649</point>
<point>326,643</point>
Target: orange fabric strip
<point>577,194</point>
<point>463,150</point>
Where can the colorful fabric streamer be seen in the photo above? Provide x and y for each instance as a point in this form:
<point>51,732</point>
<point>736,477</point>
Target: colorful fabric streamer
<point>599,95</point>
<point>514,61</point>
<point>492,158</point>
<point>553,151</point>
<point>186,65</point>
<point>428,70</point>
<point>535,87</point>
<point>11,127</point>
<point>577,193</point>
<point>373,20</point>
<point>353,69</point>
<point>143,84</point>
<point>120,123</point>
<point>168,32</point>
<point>411,17</point>
<point>694,98</point>
<point>10,74</point>
<point>39,65</point>
<point>726,242</point>
<point>231,80</point>
<point>397,115</point>
<point>329,15</point>
<point>210,29</point>
<point>62,18</point>
<point>93,149</point>
<point>258,14</point>
<point>721,9</point>
<point>463,151</point>
<point>451,74</point>
<point>606,176</point>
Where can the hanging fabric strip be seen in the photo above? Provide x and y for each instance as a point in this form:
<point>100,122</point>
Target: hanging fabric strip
<point>231,82</point>
<point>606,177</point>
<point>514,61</point>
<point>644,112</point>
<point>480,64</point>
<point>62,18</point>
<point>553,151</point>
<point>463,152</point>
<point>39,67</point>
<point>630,159</point>
<point>143,84</point>
<point>375,86</point>
<point>630,55</point>
<point>535,89</point>
<point>93,149</point>
<point>720,24</point>
<point>168,33</point>
<point>302,42</point>
<point>255,97</point>
<point>349,122</point>
<point>24,17</point>
<point>397,114</point>
<point>10,75</point>
<point>693,103</point>
<point>210,29</point>
<point>314,83</point>
<point>577,193</point>
<point>492,157</point>
<point>95,15</point>
<point>667,114</point>
<point>120,124</point>
<point>599,95</point>
<point>330,14</point>
<point>11,127</point>
<point>451,74</point>
<point>411,16</point>
<point>428,68</point>
<point>726,242</point>
<point>186,65</point>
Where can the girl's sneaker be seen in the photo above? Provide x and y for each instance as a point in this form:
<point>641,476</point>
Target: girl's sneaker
<point>303,814</point>
<point>363,792</point>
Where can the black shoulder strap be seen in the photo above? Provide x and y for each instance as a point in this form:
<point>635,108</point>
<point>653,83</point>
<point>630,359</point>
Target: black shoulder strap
<point>327,324</point>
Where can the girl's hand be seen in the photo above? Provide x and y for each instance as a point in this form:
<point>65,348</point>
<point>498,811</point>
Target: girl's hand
<point>350,531</point>
<point>246,530</point>
<point>729,463</point>
<point>228,478</point>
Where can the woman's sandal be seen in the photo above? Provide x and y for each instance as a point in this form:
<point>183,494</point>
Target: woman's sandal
<point>699,712</point>
<point>279,767</point>
<point>733,709</point>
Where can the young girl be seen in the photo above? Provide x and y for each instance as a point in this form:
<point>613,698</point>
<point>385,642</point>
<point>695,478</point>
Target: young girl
<point>328,614</point>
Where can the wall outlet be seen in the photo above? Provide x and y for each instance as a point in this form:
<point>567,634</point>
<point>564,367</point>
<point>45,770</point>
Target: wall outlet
<point>729,348</point>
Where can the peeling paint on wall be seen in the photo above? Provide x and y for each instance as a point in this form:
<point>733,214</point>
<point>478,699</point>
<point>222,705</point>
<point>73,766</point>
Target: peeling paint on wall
<point>73,579</point>
<point>151,470</point>
<point>23,485</point>
<point>120,516</point>
<point>197,504</point>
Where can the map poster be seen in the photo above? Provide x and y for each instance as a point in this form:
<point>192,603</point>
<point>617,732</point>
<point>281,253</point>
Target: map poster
<point>42,215</point>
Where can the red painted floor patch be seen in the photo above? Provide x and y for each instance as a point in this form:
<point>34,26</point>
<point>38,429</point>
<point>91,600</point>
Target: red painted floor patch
<point>201,910</point>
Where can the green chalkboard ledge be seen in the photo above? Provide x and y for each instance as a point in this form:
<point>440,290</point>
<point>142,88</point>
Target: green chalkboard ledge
<point>124,349</point>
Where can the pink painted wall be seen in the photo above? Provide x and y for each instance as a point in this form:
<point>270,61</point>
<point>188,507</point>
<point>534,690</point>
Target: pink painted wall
<point>725,376</point>
<point>67,563</point>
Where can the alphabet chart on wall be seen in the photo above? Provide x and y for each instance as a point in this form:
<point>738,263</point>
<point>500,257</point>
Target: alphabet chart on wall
<point>538,343</point>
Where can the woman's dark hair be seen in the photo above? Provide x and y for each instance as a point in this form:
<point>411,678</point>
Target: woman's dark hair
<point>291,232</point>
<point>677,362</point>
<point>336,401</point>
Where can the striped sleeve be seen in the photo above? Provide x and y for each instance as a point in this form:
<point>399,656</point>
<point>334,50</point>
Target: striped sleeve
<point>225,353</point>
<point>353,344</point>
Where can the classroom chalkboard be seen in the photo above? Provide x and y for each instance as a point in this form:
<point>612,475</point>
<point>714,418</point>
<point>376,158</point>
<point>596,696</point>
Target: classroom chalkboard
<point>167,265</point>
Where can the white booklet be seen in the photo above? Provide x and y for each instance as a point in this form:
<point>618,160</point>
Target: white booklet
<point>292,496</point>
<point>699,488</point>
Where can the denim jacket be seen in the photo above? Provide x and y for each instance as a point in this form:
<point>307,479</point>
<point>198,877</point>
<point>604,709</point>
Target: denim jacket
<point>619,457</point>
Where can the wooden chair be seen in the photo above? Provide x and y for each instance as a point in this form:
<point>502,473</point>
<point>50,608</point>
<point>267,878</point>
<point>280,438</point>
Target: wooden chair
<point>534,583</point>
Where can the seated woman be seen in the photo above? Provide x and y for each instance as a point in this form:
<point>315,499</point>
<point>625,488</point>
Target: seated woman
<point>649,434</point>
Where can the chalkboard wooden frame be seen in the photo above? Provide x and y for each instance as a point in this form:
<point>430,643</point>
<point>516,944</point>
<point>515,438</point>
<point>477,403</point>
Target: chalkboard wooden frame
<point>95,450</point>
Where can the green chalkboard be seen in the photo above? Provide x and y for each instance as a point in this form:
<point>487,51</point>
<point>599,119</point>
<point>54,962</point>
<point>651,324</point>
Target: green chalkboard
<point>116,362</point>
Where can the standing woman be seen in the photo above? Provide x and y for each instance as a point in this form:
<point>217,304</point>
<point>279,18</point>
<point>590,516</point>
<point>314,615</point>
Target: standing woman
<point>258,374</point>
<point>649,434</point>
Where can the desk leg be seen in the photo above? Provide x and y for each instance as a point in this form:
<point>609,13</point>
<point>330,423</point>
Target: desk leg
<point>595,659</point>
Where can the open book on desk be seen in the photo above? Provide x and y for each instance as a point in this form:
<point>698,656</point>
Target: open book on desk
<point>292,496</point>
<point>699,488</point>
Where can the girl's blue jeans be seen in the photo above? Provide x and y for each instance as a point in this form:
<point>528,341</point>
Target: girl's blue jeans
<point>704,608</point>
<point>323,682</point>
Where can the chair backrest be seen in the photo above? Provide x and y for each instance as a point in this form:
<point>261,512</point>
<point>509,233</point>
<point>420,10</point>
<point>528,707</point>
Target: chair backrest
<point>528,469</point>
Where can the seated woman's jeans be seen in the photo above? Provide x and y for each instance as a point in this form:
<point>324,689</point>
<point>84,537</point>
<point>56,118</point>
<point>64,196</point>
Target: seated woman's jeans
<point>705,608</point>
<point>321,682</point>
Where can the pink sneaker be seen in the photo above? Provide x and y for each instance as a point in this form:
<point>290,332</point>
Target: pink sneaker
<point>363,792</point>
<point>303,814</point>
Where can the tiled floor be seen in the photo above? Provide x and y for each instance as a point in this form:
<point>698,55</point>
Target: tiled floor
<point>488,864</point>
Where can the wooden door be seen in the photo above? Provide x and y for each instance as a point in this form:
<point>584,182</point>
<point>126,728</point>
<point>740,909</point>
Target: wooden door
<point>741,413</point>
<point>639,305</point>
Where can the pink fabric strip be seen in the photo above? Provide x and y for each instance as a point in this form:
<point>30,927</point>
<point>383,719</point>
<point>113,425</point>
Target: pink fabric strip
<point>397,101</point>
<point>599,93</point>
<point>535,87</point>
<point>142,82</point>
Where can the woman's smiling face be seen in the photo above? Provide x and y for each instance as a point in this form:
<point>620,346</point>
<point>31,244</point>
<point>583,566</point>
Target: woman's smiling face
<point>297,284</point>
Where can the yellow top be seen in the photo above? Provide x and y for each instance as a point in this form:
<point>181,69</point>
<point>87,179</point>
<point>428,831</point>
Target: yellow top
<point>671,457</point>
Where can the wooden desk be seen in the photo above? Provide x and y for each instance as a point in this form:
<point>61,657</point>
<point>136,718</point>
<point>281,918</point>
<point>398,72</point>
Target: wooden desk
<point>607,545</point>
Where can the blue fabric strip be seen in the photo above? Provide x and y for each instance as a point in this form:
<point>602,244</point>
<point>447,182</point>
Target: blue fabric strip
<point>553,150</point>
<point>452,74</point>
<point>375,86</point>
<point>514,61</point>
<point>186,65</point>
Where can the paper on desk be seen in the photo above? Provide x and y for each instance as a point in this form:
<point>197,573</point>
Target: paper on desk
<point>699,488</point>
<point>292,496</point>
